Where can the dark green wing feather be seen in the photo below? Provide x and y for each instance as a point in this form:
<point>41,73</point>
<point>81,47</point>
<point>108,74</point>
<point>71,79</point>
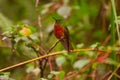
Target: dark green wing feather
<point>66,40</point>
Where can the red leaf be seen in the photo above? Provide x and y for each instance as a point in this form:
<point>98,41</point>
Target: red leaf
<point>102,56</point>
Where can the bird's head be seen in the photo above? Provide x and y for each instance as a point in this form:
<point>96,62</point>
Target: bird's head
<point>57,18</point>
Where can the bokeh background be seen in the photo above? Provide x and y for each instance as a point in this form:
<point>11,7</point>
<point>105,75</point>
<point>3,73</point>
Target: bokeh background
<point>88,22</point>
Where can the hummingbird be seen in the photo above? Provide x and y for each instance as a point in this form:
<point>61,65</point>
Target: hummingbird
<point>61,32</point>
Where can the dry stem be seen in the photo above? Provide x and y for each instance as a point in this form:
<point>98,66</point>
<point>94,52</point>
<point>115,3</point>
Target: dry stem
<point>52,54</point>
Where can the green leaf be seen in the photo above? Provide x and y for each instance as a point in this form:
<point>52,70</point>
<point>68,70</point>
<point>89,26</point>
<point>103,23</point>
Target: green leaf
<point>5,23</point>
<point>98,33</point>
<point>5,76</point>
<point>80,45</point>
<point>112,62</point>
<point>60,60</point>
<point>95,45</point>
<point>72,58</point>
<point>5,73</point>
<point>55,72</point>
<point>43,79</point>
<point>52,74</point>
<point>61,75</point>
<point>80,63</point>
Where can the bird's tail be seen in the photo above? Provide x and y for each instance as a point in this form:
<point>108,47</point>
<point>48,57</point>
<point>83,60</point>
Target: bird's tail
<point>66,44</point>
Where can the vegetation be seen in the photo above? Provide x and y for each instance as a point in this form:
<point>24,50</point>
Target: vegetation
<point>29,50</point>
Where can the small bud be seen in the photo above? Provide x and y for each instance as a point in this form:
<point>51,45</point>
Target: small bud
<point>25,31</point>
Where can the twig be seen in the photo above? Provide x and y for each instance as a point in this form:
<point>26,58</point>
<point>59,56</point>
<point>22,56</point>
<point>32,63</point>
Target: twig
<point>80,71</point>
<point>41,57</point>
<point>41,62</point>
<point>39,19</point>
<point>51,54</point>
<point>106,40</point>
<point>40,50</point>
<point>53,46</point>
<point>12,44</point>
<point>117,75</point>
<point>115,20</point>
<point>44,61</point>
<point>105,77</point>
<point>36,4</point>
<point>109,78</point>
<point>25,62</point>
<point>50,64</point>
<point>5,36</point>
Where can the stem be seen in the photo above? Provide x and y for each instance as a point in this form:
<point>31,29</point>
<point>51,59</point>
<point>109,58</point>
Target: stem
<point>39,20</point>
<point>41,57</point>
<point>53,54</point>
<point>114,72</point>
<point>113,22</point>
<point>115,18</point>
<point>41,62</point>
<point>112,26</point>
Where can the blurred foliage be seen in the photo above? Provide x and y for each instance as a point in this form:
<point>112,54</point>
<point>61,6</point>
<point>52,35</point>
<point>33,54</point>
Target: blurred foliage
<point>88,22</point>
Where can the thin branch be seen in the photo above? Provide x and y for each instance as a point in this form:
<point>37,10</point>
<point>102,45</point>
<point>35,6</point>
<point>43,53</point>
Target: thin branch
<point>50,64</point>
<point>52,54</point>
<point>53,46</point>
<point>49,60</point>
<point>117,75</point>
<point>41,57</point>
<point>80,71</point>
<point>109,78</point>
<point>40,26</point>
<point>4,36</point>
<point>25,62</point>
<point>36,4</point>
<point>39,19</point>
<point>115,20</point>
<point>43,51</point>
<point>106,41</point>
<point>105,77</point>
<point>41,62</point>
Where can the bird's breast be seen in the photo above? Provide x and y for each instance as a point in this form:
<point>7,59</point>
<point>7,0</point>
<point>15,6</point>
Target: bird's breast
<point>58,31</point>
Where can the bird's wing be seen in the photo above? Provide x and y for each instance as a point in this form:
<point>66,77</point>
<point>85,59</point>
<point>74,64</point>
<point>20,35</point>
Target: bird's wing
<point>67,38</point>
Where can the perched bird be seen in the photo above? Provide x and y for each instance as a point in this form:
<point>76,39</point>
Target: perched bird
<point>61,32</point>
